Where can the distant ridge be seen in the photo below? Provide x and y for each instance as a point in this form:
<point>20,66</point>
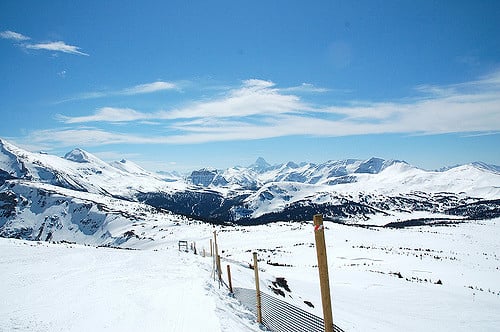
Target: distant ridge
<point>35,185</point>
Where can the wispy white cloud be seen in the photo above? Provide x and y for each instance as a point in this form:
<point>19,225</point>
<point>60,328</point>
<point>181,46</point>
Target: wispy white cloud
<point>13,35</point>
<point>134,90</point>
<point>255,97</point>
<point>483,134</point>
<point>305,87</point>
<point>58,46</point>
<point>148,88</point>
<point>258,109</point>
<point>88,136</point>
<point>258,84</point>
<point>106,114</point>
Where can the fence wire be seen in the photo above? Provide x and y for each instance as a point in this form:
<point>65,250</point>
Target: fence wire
<point>281,316</point>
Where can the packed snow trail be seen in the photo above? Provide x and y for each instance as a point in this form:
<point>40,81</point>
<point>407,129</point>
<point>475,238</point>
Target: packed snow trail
<point>63,287</point>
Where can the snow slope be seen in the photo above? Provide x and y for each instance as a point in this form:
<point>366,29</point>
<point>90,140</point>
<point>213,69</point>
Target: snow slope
<point>39,211</point>
<point>67,287</point>
<point>402,178</point>
<point>440,278</point>
<point>80,170</point>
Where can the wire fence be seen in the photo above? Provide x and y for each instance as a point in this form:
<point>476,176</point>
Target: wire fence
<point>281,316</point>
<point>277,315</point>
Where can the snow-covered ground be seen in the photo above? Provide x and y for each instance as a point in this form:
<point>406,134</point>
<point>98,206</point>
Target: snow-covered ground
<point>440,278</point>
<point>67,287</point>
<point>449,274</point>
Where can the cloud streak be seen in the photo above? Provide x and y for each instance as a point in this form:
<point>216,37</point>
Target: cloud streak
<point>88,137</point>
<point>130,91</point>
<point>257,109</point>
<point>13,36</point>
<point>149,88</point>
<point>58,46</point>
<point>255,97</point>
<point>306,87</point>
<point>106,114</point>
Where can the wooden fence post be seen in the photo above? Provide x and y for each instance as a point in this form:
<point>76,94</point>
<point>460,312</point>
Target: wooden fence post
<point>257,288</point>
<point>229,279</point>
<point>216,249</point>
<point>319,235</point>
<point>219,271</point>
<point>211,249</point>
<point>217,258</point>
<point>214,256</point>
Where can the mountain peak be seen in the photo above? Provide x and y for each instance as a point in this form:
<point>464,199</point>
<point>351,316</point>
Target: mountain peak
<point>375,165</point>
<point>78,155</point>
<point>260,165</point>
<point>8,146</point>
<point>291,164</point>
<point>486,167</point>
<point>261,162</point>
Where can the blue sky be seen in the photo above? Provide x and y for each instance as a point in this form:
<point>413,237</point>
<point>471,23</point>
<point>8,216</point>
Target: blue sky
<point>180,85</point>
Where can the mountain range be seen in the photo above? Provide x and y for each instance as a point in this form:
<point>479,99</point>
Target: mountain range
<point>46,197</point>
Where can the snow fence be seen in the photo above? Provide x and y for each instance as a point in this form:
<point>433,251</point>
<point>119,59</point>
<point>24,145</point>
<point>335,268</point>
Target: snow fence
<point>281,316</point>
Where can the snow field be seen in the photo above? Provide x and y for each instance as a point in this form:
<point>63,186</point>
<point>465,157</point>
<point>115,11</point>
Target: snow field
<point>440,278</point>
<point>62,287</point>
<point>449,274</point>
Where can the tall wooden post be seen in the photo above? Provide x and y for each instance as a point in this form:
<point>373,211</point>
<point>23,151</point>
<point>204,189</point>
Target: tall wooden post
<point>211,249</point>
<point>257,288</point>
<point>217,258</point>
<point>319,235</point>
<point>219,270</point>
<point>216,248</point>
<point>214,256</point>
<point>229,279</point>
<point>216,252</point>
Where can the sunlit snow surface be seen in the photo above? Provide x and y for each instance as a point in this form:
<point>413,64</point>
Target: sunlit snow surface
<point>69,287</point>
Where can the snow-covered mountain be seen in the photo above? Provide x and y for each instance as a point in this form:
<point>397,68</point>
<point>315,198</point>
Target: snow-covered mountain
<point>41,195</point>
<point>76,198</point>
<point>348,190</point>
<point>374,174</point>
<point>80,170</point>
<point>39,211</point>
<point>80,198</point>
